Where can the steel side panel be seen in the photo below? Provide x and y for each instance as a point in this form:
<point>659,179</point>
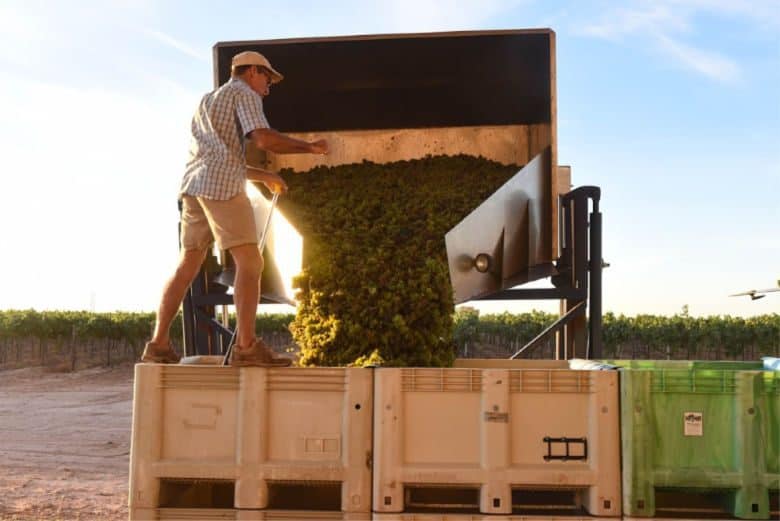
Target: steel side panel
<point>513,227</point>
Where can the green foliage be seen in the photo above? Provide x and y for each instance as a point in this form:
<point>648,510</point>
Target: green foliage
<point>520,327</point>
<point>52,325</point>
<point>133,327</point>
<point>681,336</point>
<point>503,333</point>
<point>375,286</point>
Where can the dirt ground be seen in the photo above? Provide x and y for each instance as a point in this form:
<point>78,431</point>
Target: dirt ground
<point>65,443</point>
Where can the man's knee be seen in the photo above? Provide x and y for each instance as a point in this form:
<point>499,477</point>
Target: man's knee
<point>248,258</point>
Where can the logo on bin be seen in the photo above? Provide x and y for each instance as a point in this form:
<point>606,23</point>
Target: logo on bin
<point>693,423</point>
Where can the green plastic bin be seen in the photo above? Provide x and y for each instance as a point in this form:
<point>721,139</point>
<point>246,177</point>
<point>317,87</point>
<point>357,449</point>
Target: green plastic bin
<point>771,439</point>
<point>722,365</point>
<point>707,428</point>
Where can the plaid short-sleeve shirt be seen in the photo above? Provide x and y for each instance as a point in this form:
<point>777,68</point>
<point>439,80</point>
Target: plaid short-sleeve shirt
<point>216,168</point>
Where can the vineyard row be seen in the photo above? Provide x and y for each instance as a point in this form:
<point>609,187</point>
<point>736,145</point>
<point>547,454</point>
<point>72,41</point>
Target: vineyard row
<point>78,339</point>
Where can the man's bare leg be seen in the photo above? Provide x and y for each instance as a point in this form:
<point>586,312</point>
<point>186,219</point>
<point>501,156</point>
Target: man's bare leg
<point>246,291</point>
<point>173,293</point>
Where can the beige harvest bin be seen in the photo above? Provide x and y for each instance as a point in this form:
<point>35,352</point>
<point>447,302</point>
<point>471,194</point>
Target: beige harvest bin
<point>234,514</point>
<point>207,436</point>
<point>479,517</point>
<point>488,437</point>
<point>193,514</point>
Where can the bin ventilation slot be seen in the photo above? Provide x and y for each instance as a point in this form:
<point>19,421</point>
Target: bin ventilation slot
<point>196,493</point>
<point>178,377</point>
<point>566,449</point>
<point>313,380</point>
<point>548,502</point>
<point>201,514</point>
<point>550,381</point>
<point>692,503</point>
<point>699,381</point>
<point>304,495</point>
<point>441,380</point>
<point>441,497</point>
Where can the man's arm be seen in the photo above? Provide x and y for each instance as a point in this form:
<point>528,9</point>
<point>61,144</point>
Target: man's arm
<point>278,143</point>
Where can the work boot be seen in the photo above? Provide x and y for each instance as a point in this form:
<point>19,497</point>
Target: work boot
<point>258,354</point>
<point>160,354</point>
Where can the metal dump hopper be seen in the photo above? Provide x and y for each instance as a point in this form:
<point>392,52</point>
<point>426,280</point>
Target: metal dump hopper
<point>387,98</point>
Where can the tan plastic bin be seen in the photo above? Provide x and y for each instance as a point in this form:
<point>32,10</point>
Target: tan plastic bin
<point>215,437</point>
<point>492,438</point>
<point>479,517</point>
<point>232,514</point>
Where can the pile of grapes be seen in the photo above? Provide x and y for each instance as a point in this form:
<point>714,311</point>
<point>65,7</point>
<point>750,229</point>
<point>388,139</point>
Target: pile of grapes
<point>375,287</point>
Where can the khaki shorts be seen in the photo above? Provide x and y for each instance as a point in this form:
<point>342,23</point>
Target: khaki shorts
<point>231,222</point>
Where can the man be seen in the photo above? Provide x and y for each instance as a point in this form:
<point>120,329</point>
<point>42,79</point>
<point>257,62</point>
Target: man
<point>215,205</point>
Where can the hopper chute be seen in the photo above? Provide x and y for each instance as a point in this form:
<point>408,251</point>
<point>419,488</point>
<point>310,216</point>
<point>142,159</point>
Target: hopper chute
<point>505,241</point>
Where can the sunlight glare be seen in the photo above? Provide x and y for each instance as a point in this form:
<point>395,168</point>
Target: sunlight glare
<point>284,242</point>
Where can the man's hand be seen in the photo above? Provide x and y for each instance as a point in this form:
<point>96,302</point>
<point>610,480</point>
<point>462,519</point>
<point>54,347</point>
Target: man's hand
<point>270,179</point>
<point>277,185</point>
<point>319,147</point>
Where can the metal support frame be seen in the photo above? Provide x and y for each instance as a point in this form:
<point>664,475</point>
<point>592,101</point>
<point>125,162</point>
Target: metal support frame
<point>577,282</point>
<point>580,257</point>
<point>203,333</point>
<point>576,311</point>
<point>580,266</point>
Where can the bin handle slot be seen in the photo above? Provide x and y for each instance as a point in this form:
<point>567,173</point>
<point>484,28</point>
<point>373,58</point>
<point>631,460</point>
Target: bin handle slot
<point>568,444</point>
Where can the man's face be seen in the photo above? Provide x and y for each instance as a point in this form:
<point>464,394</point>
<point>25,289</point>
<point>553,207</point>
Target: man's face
<point>259,80</point>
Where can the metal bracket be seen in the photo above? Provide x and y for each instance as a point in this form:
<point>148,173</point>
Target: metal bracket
<point>576,311</point>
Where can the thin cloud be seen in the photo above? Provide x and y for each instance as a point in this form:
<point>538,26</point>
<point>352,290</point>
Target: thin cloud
<point>623,22</point>
<point>178,45</point>
<point>664,25</point>
<point>704,62</point>
<point>762,14</point>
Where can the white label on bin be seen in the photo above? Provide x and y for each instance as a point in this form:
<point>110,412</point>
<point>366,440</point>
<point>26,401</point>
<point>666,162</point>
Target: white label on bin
<point>500,417</point>
<point>694,424</point>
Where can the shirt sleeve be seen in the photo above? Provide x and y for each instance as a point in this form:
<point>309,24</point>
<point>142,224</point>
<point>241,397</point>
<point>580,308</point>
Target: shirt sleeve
<point>249,107</point>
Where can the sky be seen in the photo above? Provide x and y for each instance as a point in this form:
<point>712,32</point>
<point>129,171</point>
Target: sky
<point>672,107</point>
